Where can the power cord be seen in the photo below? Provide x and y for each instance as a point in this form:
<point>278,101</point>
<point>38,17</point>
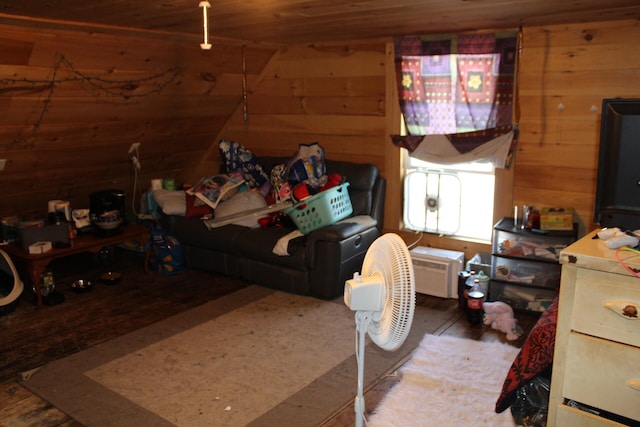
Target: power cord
<point>622,262</point>
<point>135,165</point>
<point>420,234</point>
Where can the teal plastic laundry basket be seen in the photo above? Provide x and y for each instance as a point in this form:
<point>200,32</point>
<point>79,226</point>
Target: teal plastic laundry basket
<point>322,209</point>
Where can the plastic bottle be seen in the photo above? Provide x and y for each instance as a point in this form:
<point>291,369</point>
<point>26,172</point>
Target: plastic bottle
<point>463,276</point>
<point>475,302</point>
<point>484,281</point>
<point>467,287</point>
<point>47,284</point>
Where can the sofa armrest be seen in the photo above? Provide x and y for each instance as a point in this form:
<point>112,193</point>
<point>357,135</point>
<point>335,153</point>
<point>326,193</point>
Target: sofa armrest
<point>337,251</point>
<point>336,233</point>
<point>342,229</point>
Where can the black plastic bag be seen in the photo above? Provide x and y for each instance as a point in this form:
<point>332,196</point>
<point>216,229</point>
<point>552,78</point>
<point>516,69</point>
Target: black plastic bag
<point>531,404</point>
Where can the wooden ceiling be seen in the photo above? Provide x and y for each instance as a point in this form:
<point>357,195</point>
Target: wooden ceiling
<point>303,21</point>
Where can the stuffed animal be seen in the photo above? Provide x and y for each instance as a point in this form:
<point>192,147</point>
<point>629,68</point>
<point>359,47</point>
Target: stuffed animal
<point>500,316</point>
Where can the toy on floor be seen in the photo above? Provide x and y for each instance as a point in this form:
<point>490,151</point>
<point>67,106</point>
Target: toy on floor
<point>500,316</point>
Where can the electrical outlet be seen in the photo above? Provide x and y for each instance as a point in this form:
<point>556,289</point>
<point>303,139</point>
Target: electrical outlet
<point>3,163</point>
<point>133,150</point>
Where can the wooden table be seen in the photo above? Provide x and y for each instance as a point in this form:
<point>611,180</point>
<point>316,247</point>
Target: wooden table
<point>36,264</point>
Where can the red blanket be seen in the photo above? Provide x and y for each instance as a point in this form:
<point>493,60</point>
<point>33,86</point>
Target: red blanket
<point>535,357</point>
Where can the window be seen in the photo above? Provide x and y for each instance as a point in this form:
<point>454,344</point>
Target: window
<point>449,199</point>
<point>456,95</point>
<point>454,200</point>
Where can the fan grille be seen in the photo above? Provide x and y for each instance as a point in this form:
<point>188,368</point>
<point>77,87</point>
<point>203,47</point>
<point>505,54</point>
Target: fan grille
<point>389,258</point>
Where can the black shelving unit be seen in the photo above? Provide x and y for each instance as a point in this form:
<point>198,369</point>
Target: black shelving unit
<point>525,272</point>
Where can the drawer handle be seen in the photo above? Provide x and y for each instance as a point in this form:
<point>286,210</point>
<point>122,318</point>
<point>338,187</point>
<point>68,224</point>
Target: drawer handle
<point>634,384</point>
<point>626,309</point>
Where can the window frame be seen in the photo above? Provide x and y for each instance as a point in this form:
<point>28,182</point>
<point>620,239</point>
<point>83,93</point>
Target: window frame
<point>489,216</point>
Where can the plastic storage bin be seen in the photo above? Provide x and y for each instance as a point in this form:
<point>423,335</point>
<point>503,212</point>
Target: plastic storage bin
<point>522,297</point>
<point>532,273</point>
<point>525,272</point>
<point>322,209</point>
<point>480,262</point>
<point>514,242</point>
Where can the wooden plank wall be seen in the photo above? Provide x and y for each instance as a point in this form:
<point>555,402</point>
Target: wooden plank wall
<point>341,95</point>
<point>331,94</point>
<point>335,94</point>
<point>73,101</point>
<point>566,72</point>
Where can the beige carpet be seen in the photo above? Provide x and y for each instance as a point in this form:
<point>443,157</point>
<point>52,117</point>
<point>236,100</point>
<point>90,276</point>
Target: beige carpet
<point>256,357</point>
<point>449,381</point>
<point>190,385</point>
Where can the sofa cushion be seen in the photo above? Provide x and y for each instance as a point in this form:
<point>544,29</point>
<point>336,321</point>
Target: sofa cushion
<point>259,243</point>
<point>192,231</point>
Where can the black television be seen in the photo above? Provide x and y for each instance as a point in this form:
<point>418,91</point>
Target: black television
<point>618,183</point>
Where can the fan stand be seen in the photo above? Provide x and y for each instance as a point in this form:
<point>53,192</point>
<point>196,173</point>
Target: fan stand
<point>383,293</point>
<point>363,318</point>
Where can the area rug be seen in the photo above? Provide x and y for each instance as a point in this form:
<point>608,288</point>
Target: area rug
<point>449,381</point>
<point>255,357</point>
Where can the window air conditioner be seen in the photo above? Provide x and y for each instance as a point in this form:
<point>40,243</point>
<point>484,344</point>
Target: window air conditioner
<point>436,271</point>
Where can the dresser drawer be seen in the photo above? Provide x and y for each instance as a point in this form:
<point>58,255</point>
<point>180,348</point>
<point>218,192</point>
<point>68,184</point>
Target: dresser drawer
<point>568,416</point>
<point>598,373</point>
<point>594,292</point>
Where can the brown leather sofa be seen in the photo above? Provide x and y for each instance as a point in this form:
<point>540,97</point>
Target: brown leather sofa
<point>318,264</point>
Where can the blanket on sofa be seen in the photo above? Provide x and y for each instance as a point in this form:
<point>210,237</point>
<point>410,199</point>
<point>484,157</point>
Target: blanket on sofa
<point>221,195</point>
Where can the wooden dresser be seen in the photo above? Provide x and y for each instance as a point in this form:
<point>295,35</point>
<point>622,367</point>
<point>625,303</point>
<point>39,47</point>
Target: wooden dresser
<point>596,367</point>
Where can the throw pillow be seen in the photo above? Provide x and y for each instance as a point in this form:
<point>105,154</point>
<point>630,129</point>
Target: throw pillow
<point>171,202</point>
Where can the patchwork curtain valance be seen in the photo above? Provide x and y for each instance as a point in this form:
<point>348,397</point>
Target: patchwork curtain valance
<point>457,94</point>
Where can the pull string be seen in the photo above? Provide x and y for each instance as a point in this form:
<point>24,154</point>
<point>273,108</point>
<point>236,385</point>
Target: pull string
<point>245,114</point>
<point>516,94</point>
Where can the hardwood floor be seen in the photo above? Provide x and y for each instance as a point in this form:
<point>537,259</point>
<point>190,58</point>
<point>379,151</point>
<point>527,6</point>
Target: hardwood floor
<point>32,336</point>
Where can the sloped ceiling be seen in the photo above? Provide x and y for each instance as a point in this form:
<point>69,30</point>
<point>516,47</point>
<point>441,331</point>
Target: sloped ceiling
<point>301,21</point>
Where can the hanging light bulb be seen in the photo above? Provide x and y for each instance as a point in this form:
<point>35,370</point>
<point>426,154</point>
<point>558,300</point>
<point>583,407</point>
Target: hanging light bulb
<point>205,5</point>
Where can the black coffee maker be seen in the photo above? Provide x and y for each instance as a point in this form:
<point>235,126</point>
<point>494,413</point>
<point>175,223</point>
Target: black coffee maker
<point>107,211</point>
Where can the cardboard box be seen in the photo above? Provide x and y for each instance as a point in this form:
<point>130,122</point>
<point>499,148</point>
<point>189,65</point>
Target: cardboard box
<point>556,219</point>
<point>40,247</point>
